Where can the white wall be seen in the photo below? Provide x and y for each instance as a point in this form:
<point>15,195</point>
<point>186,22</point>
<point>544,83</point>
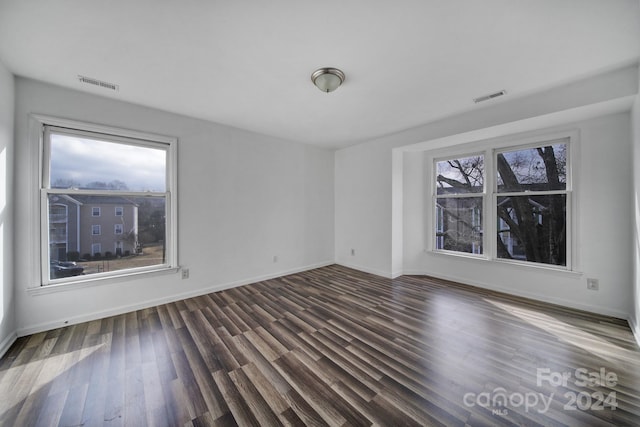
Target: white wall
<point>366,217</point>
<point>7,303</point>
<point>243,198</point>
<point>634,319</point>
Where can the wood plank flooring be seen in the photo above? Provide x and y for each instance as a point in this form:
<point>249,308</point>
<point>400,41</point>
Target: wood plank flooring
<point>331,346</point>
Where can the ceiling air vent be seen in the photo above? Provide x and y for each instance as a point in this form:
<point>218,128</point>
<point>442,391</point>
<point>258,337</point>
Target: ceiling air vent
<point>97,82</point>
<point>490,96</point>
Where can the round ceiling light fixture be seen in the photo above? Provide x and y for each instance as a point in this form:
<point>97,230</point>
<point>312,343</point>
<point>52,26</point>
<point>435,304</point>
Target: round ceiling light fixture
<point>327,79</point>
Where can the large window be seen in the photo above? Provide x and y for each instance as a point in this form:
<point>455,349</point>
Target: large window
<point>87,173</point>
<point>531,204</point>
<point>522,199</point>
<point>459,204</point>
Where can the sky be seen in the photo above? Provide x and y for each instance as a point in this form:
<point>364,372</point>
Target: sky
<point>86,160</point>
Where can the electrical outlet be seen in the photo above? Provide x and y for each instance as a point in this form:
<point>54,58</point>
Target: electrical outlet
<point>593,285</point>
<point>185,273</point>
<point>353,252</point>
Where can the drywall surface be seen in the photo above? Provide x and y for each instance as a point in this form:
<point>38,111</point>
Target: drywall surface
<point>244,199</point>
<point>7,295</point>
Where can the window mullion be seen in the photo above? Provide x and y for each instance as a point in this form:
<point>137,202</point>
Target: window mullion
<point>72,191</point>
<point>489,211</point>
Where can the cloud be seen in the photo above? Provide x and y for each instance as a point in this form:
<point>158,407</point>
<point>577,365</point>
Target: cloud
<point>84,161</point>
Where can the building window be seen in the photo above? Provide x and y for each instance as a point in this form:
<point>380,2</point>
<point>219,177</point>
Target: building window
<point>96,248</point>
<point>99,169</point>
<point>58,232</point>
<point>522,199</point>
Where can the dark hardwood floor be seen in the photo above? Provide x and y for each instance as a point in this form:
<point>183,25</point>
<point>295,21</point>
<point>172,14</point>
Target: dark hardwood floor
<point>331,346</point>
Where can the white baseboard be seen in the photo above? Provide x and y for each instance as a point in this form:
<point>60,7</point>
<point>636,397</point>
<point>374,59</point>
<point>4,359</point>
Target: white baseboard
<point>368,270</point>
<point>32,329</point>
<point>6,343</point>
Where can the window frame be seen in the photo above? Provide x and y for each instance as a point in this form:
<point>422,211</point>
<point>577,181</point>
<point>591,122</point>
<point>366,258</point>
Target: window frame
<point>490,148</point>
<point>481,195</point>
<point>567,192</point>
<point>39,128</point>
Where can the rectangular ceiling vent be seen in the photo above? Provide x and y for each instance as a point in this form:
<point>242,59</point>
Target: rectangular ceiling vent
<point>490,96</point>
<point>100,83</point>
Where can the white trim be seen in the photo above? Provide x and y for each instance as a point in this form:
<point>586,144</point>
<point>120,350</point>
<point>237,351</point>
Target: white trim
<point>28,330</point>
<point>105,129</point>
<point>79,282</point>
<point>38,126</point>
<point>533,266</point>
<point>34,182</point>
<point>6,343</point>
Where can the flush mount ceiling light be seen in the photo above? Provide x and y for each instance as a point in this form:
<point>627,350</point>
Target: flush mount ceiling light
<point>327,79</point>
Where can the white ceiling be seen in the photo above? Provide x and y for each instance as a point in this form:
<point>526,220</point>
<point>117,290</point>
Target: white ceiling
<point>247,63</point>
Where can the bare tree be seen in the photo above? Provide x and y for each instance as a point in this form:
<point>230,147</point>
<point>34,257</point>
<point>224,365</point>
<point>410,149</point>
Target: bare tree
<point>536,222</point>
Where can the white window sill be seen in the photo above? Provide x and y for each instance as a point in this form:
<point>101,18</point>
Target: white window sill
<point>99,281</point>
<point>542,268</point>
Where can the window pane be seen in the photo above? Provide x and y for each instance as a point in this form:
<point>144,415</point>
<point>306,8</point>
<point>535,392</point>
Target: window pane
<point>76,249</point>
<point>533,228</point>
<point>534,169</point>
<point>100,165</point>
<point>460,176</point>
<point>459,224</point>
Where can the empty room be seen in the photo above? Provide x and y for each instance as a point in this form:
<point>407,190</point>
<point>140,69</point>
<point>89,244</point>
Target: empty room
<point>355,213</point>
